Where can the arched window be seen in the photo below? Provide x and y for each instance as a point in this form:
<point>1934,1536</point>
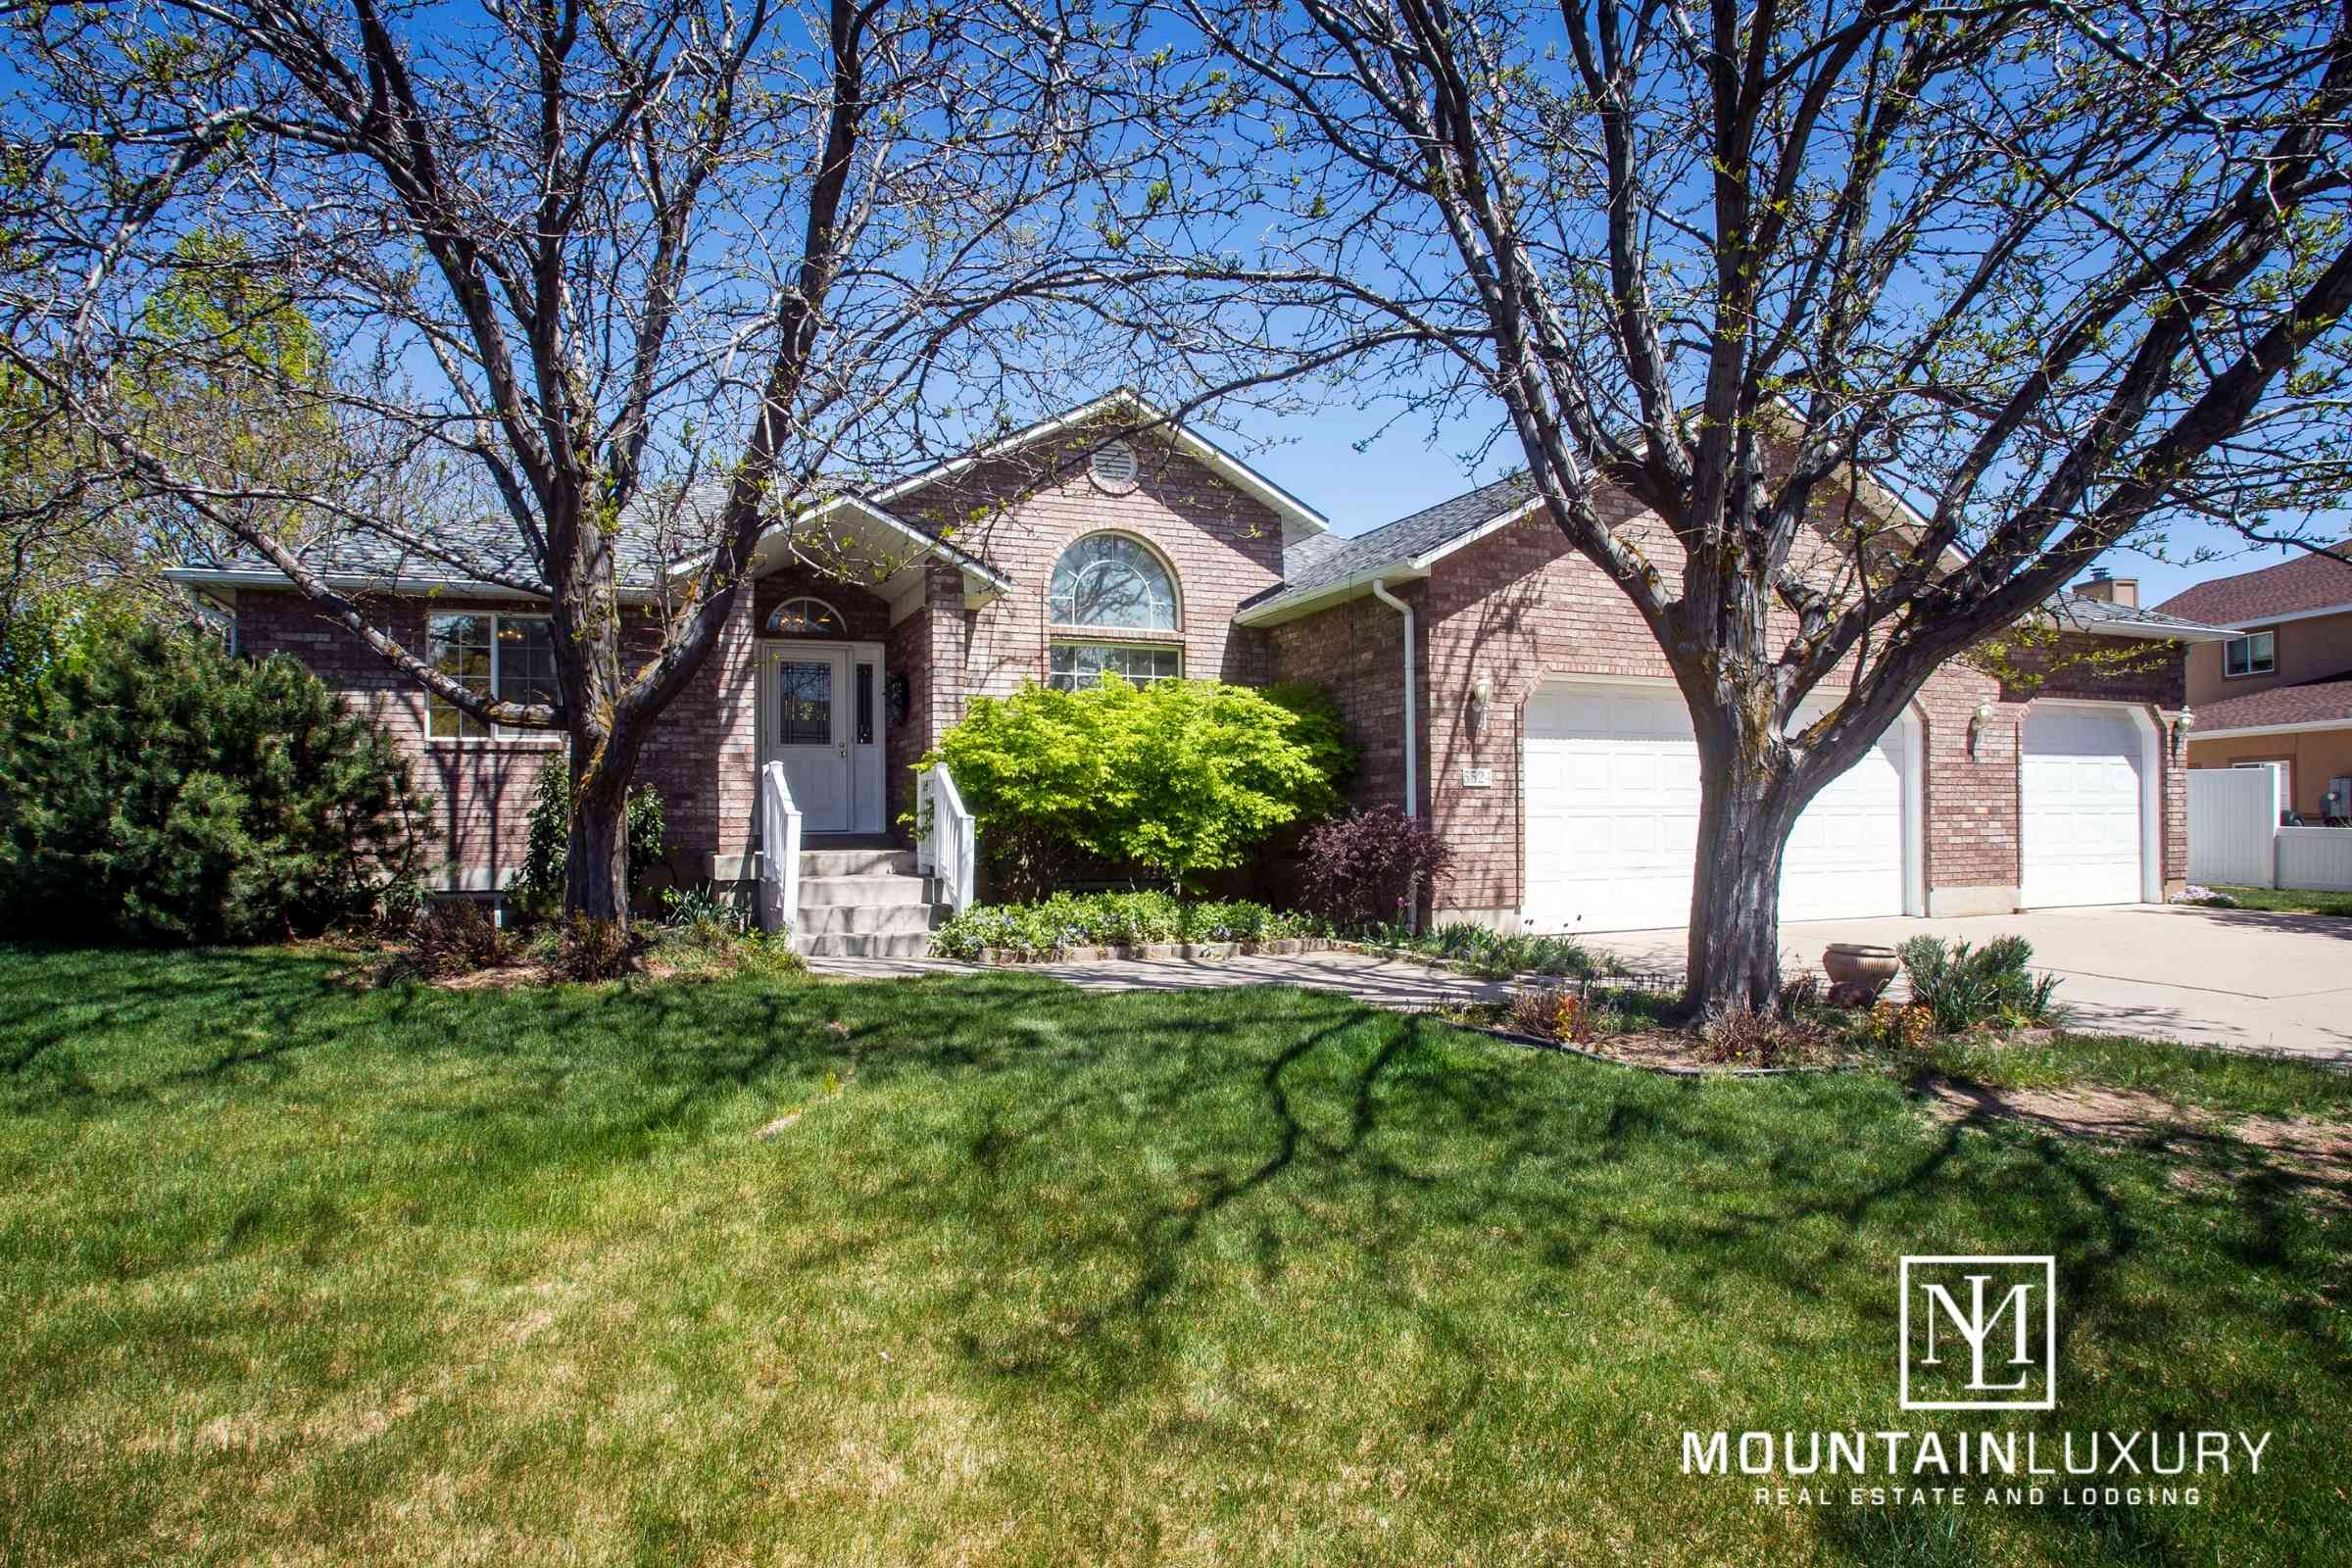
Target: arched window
<point>1112,581</point>
<point>1108,582</point>
<point>803,618</point>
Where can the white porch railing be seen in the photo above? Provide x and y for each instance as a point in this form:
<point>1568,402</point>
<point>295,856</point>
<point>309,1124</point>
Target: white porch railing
<point>948,841</point>
<point>779,852</point>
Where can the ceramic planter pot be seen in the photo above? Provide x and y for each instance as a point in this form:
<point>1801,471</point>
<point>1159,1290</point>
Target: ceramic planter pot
<point>1858,963</point>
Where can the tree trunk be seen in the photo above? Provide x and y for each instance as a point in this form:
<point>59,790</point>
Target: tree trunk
<point>1746,810</point>
<point>596,869</point>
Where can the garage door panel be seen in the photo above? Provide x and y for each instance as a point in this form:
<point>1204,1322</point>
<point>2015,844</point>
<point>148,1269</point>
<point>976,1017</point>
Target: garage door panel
<point>2078,808</point>
<point>1612,815</point>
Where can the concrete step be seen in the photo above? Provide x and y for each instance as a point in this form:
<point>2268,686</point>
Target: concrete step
<point>865,945</point>
<point>818,892</point>
<point>877,862</point>
<point>866,919</point>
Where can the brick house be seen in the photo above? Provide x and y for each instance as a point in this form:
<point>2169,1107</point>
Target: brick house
<point>1493,680</point>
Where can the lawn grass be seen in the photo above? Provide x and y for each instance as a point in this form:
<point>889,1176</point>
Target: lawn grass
<point>2290,900</point>
<point>298,1273</point>
<point>2223,1082</point>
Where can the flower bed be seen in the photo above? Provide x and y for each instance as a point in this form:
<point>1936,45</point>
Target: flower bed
<point>1071,925</point>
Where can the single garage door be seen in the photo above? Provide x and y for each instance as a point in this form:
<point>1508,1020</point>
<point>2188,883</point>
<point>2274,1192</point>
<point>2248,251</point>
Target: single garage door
<point>2079,797</point>
<point>1612,819</point>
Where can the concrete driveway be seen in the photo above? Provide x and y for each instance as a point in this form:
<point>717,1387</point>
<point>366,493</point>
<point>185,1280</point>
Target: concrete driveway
<point>2243,979</point>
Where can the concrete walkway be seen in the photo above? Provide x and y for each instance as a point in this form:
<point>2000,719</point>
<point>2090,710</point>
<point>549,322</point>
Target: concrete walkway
<point>2241,979</point>
<point>1386,981</point>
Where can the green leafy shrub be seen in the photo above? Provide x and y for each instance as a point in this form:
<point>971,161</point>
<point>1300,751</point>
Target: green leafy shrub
<point>536,892</point>
<point>714,943</point>
<point>158,788</point>
<point>698,907</point>
<point>1109,920</point>
<point>1179,776</point>
<point>1488,952</point>
<point>1320,730</point>
<point>1965,988</point>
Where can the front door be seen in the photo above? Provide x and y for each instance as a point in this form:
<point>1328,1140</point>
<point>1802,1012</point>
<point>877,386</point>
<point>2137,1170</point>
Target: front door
<point>808,719</point>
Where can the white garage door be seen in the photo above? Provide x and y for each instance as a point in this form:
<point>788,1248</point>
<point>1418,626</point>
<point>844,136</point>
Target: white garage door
<point>1612,819</point>
<point>2078,808</point>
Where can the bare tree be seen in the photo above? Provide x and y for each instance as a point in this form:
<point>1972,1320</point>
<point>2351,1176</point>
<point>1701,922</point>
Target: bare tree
<point>2059,274</point>
<point>632,282</point>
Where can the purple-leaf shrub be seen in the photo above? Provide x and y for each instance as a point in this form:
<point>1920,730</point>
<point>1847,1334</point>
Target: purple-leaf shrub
<point>1368,868</point>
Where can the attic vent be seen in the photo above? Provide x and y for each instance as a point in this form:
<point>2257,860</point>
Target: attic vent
<point>1114,467</point>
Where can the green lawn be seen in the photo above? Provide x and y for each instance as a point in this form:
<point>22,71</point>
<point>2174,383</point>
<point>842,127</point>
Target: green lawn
<point>2291,901</point>
<point>296,1273</point>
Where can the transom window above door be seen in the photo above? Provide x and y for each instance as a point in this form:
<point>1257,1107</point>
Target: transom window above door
<point>803,618</point>
<point>1112,581</point>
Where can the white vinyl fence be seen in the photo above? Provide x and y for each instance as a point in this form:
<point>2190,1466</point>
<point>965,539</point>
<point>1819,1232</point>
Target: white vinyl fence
<point>2234,837</point>
<point>2316,858</point>
<point>2232,820</point>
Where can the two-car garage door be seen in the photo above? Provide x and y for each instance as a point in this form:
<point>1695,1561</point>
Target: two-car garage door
<point>1612,819</point>
<point>1612,815</point>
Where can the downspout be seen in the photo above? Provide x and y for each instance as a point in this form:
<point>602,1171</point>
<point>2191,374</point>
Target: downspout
<point>1412,709</point>
<point>1412,705</point>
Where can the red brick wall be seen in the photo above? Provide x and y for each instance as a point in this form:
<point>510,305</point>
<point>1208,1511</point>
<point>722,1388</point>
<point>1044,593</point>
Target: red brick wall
<point>1356,652</point>
<point>1222,546</point>
<point>479,791</point>
<point>1520,607</point>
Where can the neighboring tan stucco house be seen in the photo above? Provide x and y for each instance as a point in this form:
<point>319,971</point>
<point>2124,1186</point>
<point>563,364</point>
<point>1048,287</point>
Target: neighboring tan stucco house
<point>2281,691</point>
<point>1495,683</point>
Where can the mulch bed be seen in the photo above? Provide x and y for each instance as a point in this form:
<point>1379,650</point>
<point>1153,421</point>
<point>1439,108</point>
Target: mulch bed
<point>1670,1053</point>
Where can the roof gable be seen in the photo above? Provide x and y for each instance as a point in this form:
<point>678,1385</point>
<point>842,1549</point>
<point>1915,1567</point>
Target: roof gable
<point>1299,520</point>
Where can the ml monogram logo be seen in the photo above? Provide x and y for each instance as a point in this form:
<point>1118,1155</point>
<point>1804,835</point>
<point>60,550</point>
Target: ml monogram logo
<point>1980,1333</point>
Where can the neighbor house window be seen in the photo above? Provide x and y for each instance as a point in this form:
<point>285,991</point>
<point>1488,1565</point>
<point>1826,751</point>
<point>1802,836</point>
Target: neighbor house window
<point>1078,665</point>
<point>1109,583</point>
<point>2256,654</point>
<point>510,656</point>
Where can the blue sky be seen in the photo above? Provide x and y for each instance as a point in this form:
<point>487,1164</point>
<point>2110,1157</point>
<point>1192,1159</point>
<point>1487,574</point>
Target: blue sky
<point>1315,459</point>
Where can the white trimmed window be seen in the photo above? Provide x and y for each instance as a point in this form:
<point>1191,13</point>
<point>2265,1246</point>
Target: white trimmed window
<point>1078,665</point>
<point>1109,583</point>
<point>2255,653</point>
<point>1112,581</point>
<point>510,656</point>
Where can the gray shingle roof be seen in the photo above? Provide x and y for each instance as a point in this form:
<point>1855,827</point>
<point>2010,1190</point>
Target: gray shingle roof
<point>1395,543</point>
<point>491,550</point>
<point>2088,614</point>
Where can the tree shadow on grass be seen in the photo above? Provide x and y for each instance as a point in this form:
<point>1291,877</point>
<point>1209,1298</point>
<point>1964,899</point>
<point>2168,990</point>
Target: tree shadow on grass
<point>1254,1132</point>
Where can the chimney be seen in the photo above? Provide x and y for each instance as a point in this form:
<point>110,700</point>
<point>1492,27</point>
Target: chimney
<point>2105,586</point>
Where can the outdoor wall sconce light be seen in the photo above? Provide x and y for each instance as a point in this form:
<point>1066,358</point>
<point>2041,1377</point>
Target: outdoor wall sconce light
<point>1976,725</point>
<point>2183,722</point>
<point>1481,697</point>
